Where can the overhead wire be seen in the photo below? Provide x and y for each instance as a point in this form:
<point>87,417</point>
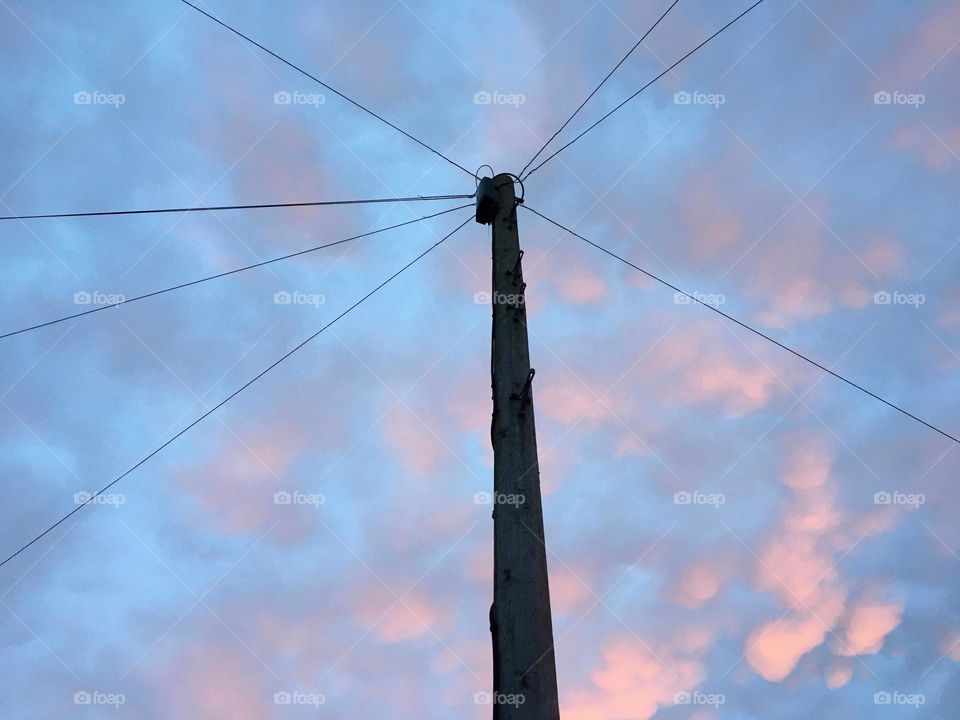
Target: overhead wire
<point>127,301</point>
<point>92,498</point>
<point>671,67</point>
<point>213,208</point>
<point>325,85</point>
<point>746,326</point>
<point>602,83</point>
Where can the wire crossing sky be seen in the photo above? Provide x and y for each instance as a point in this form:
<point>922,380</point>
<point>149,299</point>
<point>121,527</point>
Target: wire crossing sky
<point>92,499</point>
<point>334,91</point>
<point>631,97</point>
<point>213,208</point>
<point>729,535</point>
<point>746,326</point>
<point>597,88</point>
<point>180,286</point>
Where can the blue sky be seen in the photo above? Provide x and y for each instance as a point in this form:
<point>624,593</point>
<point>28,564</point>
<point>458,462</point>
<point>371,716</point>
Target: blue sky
<point>808,187</point>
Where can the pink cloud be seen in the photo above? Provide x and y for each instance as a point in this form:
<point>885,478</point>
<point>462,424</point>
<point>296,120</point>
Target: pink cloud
<point>697,584</point>
<point>807,465</point>
<point>799,274</point>
<point>408,620</point>
<point>797,565</point>
<point>701,370</point>
<point>569,402</point>
<point>469,409</point>
<point>629,444</point>
<point>884,255</point>
<point>867,628</point>
<point>713,226</point>
<point>236,485</point>
<point>950,646</point>
<point>212,681</point>
<point>935,150</point>
<point>395,621</point>
<point>775,648</point>
<point>412,441</point>
<point>742,390</point>
<point>568,591</point>
<point>632,684</point>
<point>793,568</point>
<point>555,464</point>
<point>694,640</point>
<point>949,316</point>
<point>924,49</point>
<point>838,676</point>
<point>581,287</point>
<point>480,565</point>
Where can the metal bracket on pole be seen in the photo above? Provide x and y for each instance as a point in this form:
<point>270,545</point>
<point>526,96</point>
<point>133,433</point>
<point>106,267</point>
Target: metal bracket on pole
<point>524,395</point>
<point>521,297</point>
<point>516,267</point>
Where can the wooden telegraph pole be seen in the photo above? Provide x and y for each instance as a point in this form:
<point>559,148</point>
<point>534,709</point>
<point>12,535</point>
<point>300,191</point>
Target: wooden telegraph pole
<point>524,669</point>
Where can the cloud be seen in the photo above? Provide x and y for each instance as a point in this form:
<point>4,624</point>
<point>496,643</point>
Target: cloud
<point>570,402</point>
<point>950,646</point>
<point>838,676</point>
<point>216,681</point>
<point>807,464</point>
<point>775,648</point>
<point>568,592</point>
<point>633,683</point>
<point>236,483</point>
<point>409,619</point>
<point>800,274</point>
<point>868,626</point>
<point>797,565</point>
<point>936,149</point>
<point>705,402</point>
<point>413,441</point>
<point>702,369</point>
<point>698,584</point>
<point>581,287</point>
<point>713,224</point>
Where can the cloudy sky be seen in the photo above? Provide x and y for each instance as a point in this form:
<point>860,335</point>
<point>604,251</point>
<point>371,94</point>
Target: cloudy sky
<point>732,534</point>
